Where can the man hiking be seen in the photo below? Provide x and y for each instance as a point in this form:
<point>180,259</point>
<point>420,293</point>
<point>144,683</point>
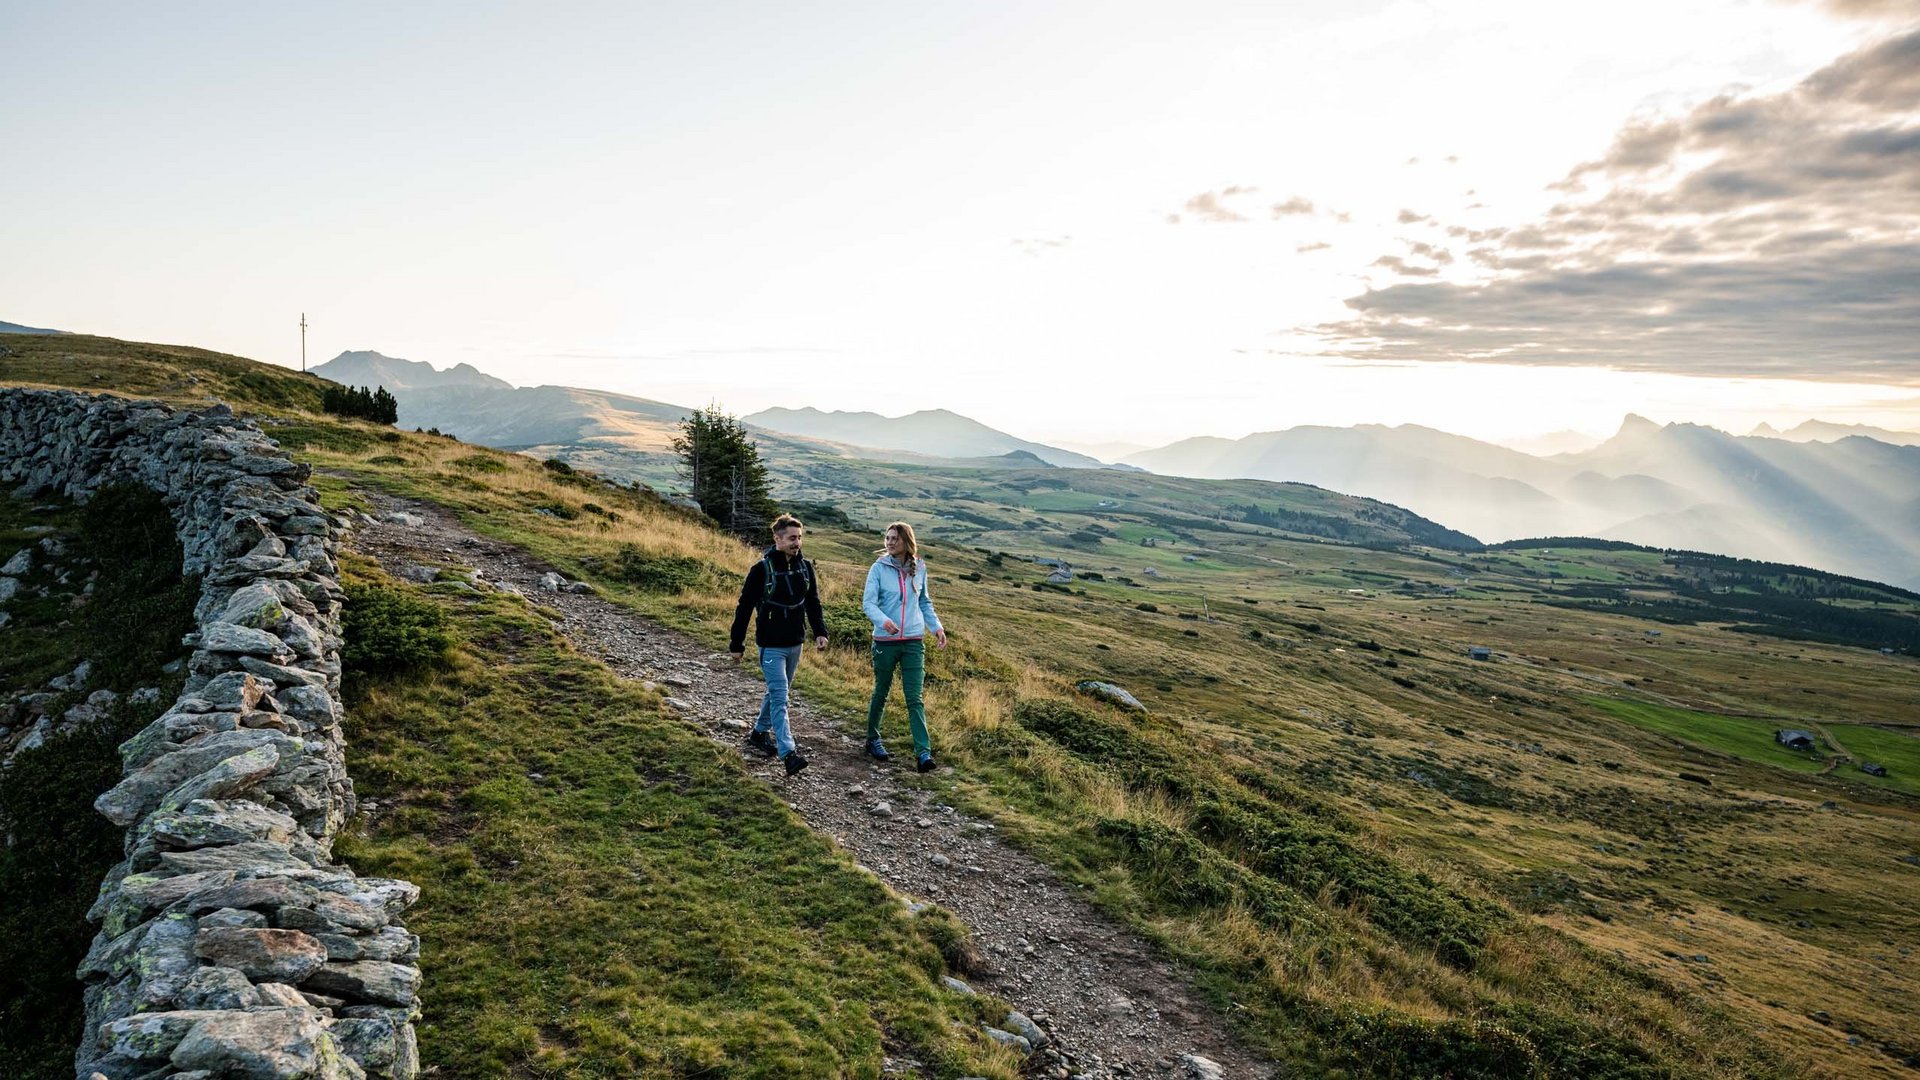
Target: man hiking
<point>783,589</point>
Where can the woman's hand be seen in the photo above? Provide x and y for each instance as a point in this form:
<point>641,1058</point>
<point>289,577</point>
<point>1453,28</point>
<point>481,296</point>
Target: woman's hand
<point>940,637</point>
<point>887,627</point>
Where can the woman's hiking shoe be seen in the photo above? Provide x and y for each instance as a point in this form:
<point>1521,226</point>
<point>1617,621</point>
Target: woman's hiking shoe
<point>876,751</point>
<point>926,763</point>
<point>762,741</point>
<point>794,762</point>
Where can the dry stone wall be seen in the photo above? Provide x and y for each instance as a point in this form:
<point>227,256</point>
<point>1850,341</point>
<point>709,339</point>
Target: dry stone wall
<point>230,944</point>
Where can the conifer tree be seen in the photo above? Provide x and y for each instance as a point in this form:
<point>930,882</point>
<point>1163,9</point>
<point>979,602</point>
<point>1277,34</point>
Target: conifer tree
<point>722,468</point>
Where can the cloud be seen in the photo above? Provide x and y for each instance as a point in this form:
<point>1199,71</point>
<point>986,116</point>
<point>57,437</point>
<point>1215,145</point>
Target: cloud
<point>1755,234</point>
<point>1317,245</point>
<point>1037,245</point>
<point>1213,206</point>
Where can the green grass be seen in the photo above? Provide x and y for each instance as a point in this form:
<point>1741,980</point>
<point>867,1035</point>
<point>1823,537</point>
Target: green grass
<point>1741,736</point>
<point>1899,752</point>
<point>605,893</point>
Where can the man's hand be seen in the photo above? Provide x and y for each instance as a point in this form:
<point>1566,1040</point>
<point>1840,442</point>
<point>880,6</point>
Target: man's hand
<point>887,627</point>
<point>737,654</point>
<point>940,638</point>
<point>820,642</point>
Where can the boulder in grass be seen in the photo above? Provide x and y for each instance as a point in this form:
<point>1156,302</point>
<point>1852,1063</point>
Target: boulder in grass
<point>1108,692</point>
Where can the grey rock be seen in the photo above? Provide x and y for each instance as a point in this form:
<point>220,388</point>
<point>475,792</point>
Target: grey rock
<point>75,679</point>
<point>1008,1038</point>
<point>205,823</point>
<point>149,1036</point>
<point>218,988</point>
<point>379,981</point>
<point>257,605</point>
<point>20,564</point>
<point>235,691</point>
<point>956,985</point>
<point>272,1044</point>
<point>378,1045</point>
<point>144,789</point>
<point>233,917</point>
<point>140,894</point>
<point>881,809</point>
<point>244,640</point>
<point>1201,1068</point>
<point>9,588</point>
<point>285,996</point>
<point>282,674</point>
<point>1107,691</point>
<point>551,582</point>
<point>262,955</point>
<point>1022,1025</point>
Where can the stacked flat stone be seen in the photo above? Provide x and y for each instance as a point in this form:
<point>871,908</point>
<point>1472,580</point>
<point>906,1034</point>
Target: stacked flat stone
<point>230,944</point>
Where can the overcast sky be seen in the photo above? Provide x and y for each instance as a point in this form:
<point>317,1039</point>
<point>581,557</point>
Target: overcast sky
<point>1108,221</point>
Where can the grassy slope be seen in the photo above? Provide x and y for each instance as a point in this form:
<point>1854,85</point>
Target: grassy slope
<point>1552,834</point>
<point>605,893</point>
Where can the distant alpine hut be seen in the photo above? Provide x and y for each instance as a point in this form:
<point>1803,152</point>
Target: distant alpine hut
<point>1653,633</point>
<point>1061,575</point>
<point>1873,768</point>
<point>1480,652</point>
<point>1044,561</point>
<point>1795,739</point>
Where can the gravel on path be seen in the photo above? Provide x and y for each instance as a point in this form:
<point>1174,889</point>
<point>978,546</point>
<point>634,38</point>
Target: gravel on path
<point>1110,1005</point>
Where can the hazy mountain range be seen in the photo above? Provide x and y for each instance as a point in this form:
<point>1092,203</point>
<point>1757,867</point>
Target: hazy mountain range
<point>1851,505</point>
<point>1823,431</point>
<point>1836,497</point>
<point>933,432</point>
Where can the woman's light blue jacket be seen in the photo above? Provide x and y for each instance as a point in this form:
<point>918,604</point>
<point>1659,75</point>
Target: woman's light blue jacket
<point>898,592</point>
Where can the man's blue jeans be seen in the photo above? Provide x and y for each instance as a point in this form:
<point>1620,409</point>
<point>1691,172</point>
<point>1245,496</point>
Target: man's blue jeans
<point>778,666</point>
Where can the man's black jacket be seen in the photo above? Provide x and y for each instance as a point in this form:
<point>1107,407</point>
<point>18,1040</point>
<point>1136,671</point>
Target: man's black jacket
<point>780,623</point>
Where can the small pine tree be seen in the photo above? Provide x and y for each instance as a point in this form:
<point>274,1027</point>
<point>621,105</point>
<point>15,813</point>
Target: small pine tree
<point>722,467</point>
<point>361,403</point>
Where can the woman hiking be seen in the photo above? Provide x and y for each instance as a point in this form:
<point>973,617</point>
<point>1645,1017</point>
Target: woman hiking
<point>902,614</point>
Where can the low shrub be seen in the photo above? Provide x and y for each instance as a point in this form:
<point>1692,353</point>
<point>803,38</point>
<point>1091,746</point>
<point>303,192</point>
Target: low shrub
<point>653,573</point>
<point>480,463</point>
<point>389,631</point>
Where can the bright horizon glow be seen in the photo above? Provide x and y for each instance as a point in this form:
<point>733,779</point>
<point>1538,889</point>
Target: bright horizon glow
<point>862,208</point>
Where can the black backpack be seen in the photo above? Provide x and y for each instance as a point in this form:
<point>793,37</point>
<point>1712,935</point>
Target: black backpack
<point>767,603</point>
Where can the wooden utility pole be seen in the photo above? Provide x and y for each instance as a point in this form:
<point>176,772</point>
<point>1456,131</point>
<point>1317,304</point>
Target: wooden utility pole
<point>303,342</point>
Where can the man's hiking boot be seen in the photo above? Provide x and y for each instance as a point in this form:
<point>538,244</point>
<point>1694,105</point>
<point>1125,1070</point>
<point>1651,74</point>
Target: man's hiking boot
<point>762,741</point>
<point>794,762</point>
<point>876,751</point>
<point>926,763</point>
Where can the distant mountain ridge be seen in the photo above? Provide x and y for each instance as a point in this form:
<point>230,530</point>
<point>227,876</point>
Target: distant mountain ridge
<point>1827,431</point>
<point>1851,506</point>
<point>930,432</point>
<point>16,328</point>
<point>368,368</point>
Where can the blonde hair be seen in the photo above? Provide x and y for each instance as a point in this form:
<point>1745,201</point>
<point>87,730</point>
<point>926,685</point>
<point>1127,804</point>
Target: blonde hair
<point>909,547</point>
